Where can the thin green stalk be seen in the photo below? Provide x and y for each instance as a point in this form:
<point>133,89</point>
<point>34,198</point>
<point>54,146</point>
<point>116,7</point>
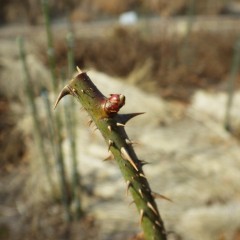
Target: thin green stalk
<point>58,155</point>
<point>61,170</point>
<point>57,118</point>
<point>76,181</point>
<point>104,113</point>
<point>186,51</point>
<point>231,84</point>
<point>50,50</point>
<point>71,125</point>
<point>47,104</point>
<point>70,54</point>
<point>35,117</point>
<point>190,14</point>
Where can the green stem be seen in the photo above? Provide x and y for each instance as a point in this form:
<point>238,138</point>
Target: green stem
<point>231,85</point>
<point>103,112</point>
<point>76,183</point>
<point>57,152</point>
<point>47,104</point>
<point>186,51</point>
<point>35,117</point>
<point>70,116</point>
<point>50,50</point>
<point>70,55</point>
<point>57,118</point>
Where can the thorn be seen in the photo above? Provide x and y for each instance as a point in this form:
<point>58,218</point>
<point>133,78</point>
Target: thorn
<point>127,157</point>
<point>109,128</point>
<point>82,91</point>
<point>131,203</point>
<point>160,196</point>
<point>79,70</point>
<point>140,192</point>
<point>129,142</point>
<point>120,124</point>
<point>159,224</point>
<point>95,129</point>
<point>152,208</point>
<point>110,144</point>
<point>124,118</point>
<point>142,175</point>
<point>65,91</point>
<point>109,158</point>
<point>141,215</point>
<point>129,184</point>
<point>142,162</point>
<point>90,122</point>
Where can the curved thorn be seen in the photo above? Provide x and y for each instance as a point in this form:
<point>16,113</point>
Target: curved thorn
<point>65,91</point>
<point>79,70</point>
<point>142,175</point>
<point>109,128</point>
<point>142,162</point>
<point>158,223</point>
<point>160,196</point>
<point>126,156</point>
<point>152,208</point>
<point>129,142</point>
<point>120,124</point>
<point>90,122</point>
<point>124,118</point>
<point>109,158</point>
<point>140,192</point>
<point>110,144</point>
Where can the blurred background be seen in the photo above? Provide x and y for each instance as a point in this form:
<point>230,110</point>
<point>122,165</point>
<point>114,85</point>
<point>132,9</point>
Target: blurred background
<point>176,60</point>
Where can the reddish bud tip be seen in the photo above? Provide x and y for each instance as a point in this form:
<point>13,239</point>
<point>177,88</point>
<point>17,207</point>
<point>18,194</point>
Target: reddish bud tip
<point>114,103</point>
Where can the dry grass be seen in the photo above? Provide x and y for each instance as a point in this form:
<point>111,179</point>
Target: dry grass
<point>11,140</point>
<point>174,67</point>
